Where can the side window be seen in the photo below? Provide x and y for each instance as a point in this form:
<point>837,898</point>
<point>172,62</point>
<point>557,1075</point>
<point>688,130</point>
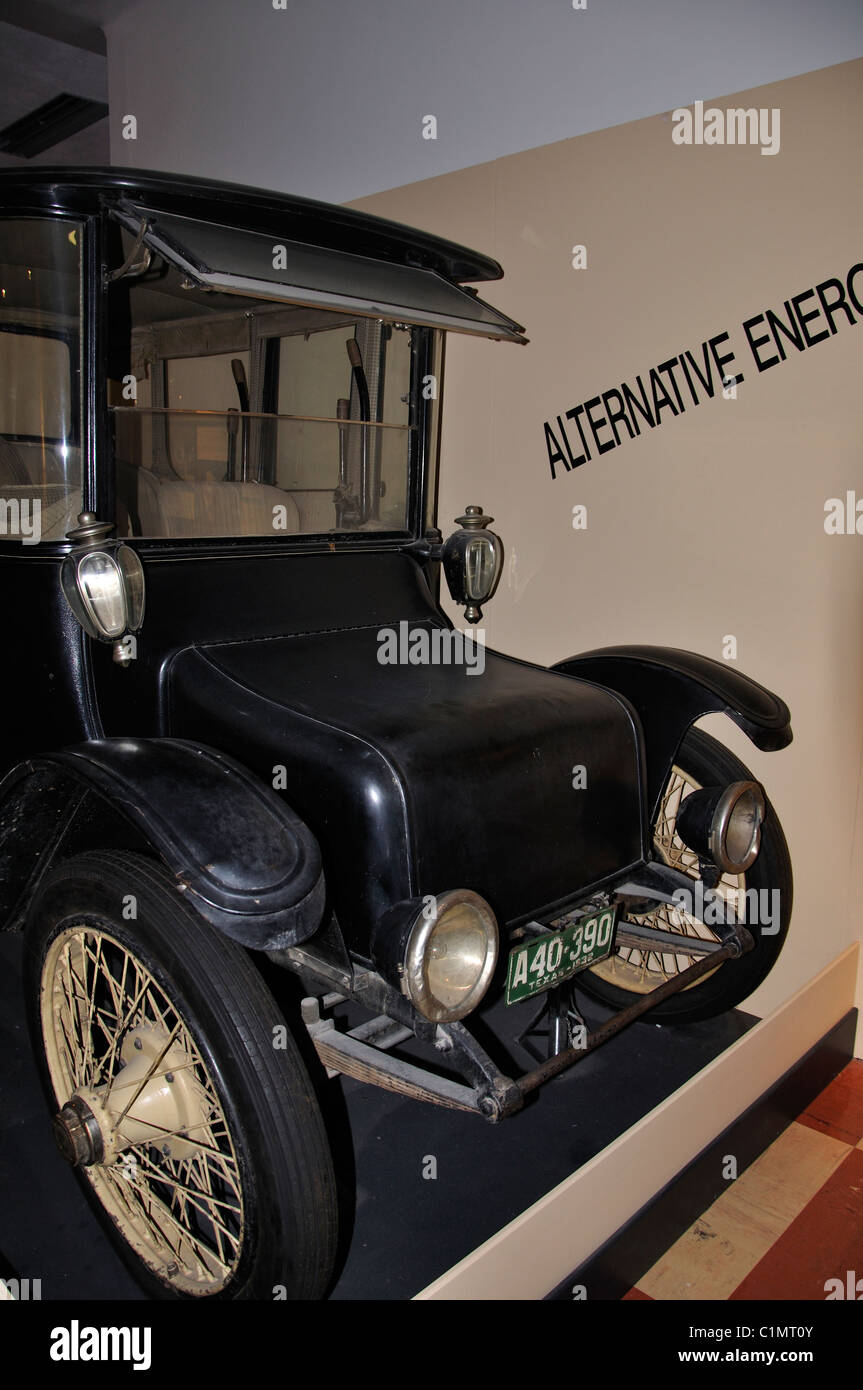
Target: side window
<point>40,445</point>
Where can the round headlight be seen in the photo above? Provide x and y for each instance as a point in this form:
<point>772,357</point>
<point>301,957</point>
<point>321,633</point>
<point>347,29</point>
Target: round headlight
<point>450,955</point>
<point>724,824</point>
<point>737,827</point>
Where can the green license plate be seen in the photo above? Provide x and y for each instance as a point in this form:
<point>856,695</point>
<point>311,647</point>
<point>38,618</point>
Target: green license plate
<point>544,961</point>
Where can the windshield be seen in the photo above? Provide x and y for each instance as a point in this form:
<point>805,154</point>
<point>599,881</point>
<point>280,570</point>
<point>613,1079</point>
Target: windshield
<point>236,416</point>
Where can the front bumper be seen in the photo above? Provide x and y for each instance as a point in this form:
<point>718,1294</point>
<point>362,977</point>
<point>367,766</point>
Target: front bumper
<point>363,1052</point>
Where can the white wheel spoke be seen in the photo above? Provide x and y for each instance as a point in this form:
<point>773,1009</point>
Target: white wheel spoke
<point>123,1029</point>
<point>193,1197</point>
<point>644,970</point>
<point>183,1215</point>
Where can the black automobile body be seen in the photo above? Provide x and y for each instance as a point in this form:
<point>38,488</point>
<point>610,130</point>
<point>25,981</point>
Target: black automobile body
<point>240,719</point>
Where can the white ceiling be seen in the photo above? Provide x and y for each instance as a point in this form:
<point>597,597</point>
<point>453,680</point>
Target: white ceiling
<point>328,98</point>
<point>44,52</point>
<point>76,22</point>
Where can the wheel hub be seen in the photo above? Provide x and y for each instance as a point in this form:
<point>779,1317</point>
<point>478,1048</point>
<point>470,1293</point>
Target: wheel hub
<point>153,1099</point>
<point>77,1133</point>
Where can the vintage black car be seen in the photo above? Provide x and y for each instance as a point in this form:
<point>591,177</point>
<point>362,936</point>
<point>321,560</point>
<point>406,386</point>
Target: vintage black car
<point>241,732</point>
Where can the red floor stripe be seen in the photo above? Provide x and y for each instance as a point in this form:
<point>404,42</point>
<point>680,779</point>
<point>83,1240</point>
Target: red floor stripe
<point>838,1111</point>
<point>824,1242</point>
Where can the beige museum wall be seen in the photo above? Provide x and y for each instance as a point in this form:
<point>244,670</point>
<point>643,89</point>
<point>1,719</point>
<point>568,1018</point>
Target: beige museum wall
<point>712,523</point>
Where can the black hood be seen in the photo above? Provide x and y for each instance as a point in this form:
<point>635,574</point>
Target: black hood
<point>420,778</point>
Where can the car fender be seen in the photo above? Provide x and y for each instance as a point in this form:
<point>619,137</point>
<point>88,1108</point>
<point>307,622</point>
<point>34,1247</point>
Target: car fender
<point>246,862</point>
<point>670,689</point>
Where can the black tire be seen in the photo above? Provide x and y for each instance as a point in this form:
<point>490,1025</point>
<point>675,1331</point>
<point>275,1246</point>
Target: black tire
<point>703,762</point>
<point>244,1092</point>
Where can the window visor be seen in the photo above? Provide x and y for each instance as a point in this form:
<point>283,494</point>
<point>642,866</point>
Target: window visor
<point>256,265</point>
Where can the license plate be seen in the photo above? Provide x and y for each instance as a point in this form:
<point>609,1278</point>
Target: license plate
<point>548,960</point>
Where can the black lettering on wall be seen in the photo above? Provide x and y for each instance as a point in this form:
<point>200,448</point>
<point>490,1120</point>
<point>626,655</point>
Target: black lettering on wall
<point>807,318</point>
<point>769,330</point>
<point>756,343</point>
<point>641,406</point>
<point>833,305</point>
<point>706,381</point>
<point>661,398</point>
<point>617,415</point>
<point>555,455</point>
<point>790,330</point>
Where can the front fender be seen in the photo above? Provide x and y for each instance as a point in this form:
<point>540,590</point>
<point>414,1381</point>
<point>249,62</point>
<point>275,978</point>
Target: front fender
<point>248,865</point>
<point>670,689</point>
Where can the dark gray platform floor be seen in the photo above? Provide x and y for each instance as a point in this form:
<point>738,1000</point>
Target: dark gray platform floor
<point>402,1229</point>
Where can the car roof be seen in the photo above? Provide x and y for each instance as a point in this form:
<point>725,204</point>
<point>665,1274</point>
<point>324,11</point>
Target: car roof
<point>69,189</point>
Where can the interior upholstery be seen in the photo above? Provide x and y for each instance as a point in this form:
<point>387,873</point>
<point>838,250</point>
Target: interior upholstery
<point>31,472</point>
<point>174,507</point>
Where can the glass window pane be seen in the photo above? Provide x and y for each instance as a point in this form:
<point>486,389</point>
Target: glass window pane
<point>247,418</point>
<point>204,383</point>
<point>314,371</point>
<point>40,454</point>
<point>36,371</point>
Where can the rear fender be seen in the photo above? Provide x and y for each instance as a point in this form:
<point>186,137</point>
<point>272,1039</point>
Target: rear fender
<point>670,689</point>
<point>247,864</point>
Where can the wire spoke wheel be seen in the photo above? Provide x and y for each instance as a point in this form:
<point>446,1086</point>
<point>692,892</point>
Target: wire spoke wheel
<point>631,971</point>
<point>168,1174</point>
<point>197,1140</point>
<point>640,970</point>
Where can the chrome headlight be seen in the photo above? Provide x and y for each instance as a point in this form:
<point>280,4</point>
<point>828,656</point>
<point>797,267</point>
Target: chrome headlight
<point>441,953</point>
<point>724,824</point>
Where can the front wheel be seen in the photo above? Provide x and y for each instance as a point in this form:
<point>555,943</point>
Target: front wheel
<point>179,1096</point>
<point>630,973</point>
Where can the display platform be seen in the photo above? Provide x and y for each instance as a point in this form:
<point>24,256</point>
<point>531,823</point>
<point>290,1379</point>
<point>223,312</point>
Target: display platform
<point>618,1266</point>
<point>422,1187</point>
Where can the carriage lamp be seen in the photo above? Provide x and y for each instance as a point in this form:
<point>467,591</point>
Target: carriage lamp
<point>103,584</point>
<point>440,951</point>
<point>723,824</point>
<point>472,562</point>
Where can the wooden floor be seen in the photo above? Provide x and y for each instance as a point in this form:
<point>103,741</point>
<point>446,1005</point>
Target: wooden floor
<point>789,1224</point>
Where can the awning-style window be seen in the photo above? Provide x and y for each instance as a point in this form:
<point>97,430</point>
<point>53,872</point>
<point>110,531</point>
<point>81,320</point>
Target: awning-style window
<point>260,266</point>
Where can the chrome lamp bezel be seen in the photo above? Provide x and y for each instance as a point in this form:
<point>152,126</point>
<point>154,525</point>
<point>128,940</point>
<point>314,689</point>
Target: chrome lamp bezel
<point>455,556</point>
<point>93,544</point>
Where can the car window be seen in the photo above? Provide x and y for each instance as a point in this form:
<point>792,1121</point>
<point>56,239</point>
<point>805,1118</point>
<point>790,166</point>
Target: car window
<point>235,417</point>
<point>40,453</point>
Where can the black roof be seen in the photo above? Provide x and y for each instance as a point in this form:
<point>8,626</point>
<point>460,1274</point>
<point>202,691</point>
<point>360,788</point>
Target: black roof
<point>70,189</point>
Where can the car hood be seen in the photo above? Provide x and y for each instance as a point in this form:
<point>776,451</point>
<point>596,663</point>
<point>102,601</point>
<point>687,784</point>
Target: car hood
<point>421,778</point>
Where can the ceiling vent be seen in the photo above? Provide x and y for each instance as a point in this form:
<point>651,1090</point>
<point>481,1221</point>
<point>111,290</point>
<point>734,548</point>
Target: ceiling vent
<point>50,124</point>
